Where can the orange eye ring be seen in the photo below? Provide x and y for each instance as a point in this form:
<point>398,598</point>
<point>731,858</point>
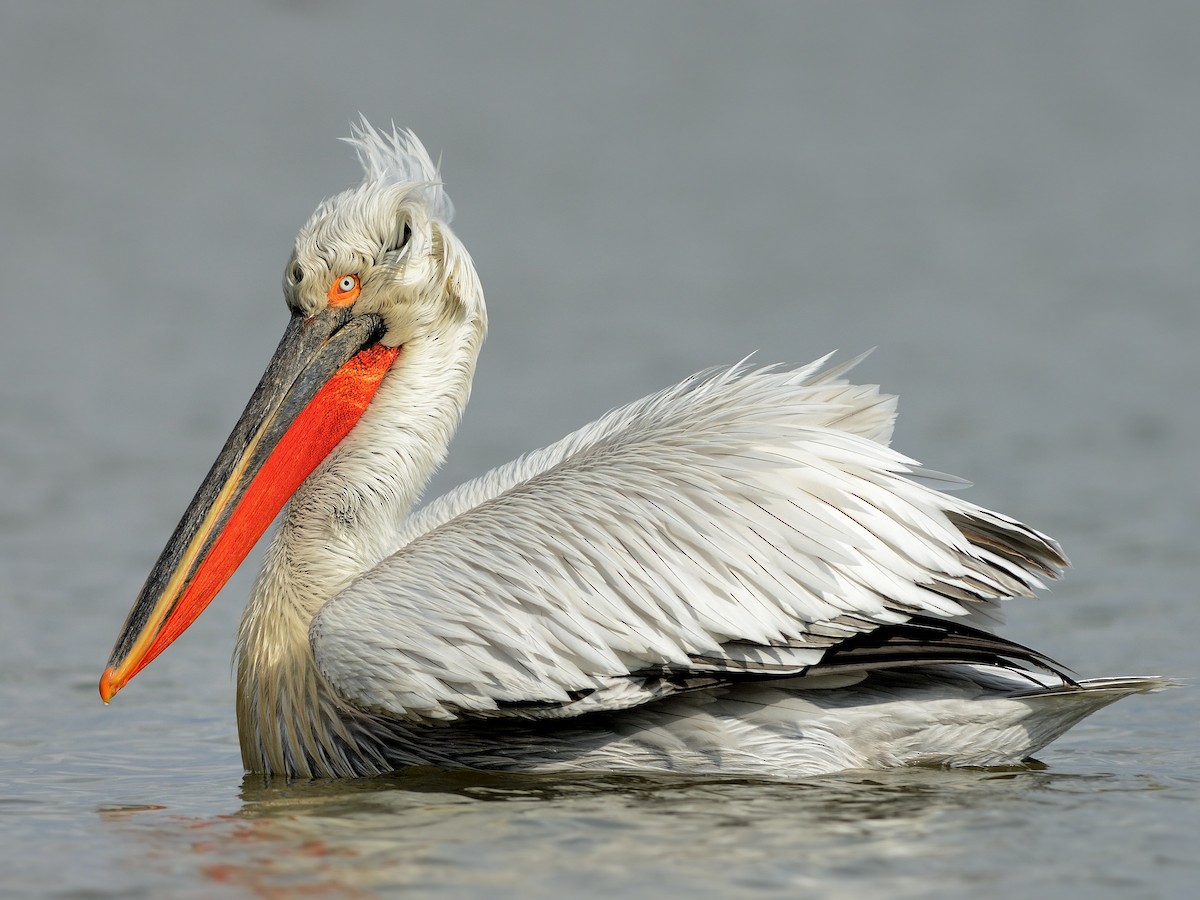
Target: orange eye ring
<point>344,290</point>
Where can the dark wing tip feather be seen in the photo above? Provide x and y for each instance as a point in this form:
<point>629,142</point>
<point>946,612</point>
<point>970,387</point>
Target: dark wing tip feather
<point>1013,542</point>
<point>927,641</point>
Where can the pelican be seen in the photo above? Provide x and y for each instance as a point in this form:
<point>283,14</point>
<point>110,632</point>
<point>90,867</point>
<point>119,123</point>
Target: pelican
<point>735,576</point>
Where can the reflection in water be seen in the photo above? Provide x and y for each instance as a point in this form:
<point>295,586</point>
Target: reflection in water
<point>451,832</point>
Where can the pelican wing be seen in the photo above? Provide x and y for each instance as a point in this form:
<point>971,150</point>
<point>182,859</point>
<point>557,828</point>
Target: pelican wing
<point>745,522</point>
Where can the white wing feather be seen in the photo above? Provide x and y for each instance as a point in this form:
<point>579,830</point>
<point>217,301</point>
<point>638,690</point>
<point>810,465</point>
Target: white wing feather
<point>746,518</point>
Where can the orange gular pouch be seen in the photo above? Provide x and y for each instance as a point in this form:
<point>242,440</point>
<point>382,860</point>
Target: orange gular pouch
<point>318,384</point>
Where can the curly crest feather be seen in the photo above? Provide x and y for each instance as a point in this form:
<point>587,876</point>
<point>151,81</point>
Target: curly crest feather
<point>399,158</point>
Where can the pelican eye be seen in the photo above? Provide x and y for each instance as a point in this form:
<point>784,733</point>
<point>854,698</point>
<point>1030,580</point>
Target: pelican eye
<point>344,290</point>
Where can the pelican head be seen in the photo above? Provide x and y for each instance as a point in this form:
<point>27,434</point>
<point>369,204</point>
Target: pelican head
<point>382,295</point>
<point>384,247</point>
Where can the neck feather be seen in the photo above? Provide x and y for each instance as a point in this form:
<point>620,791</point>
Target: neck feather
<point>342,522</point>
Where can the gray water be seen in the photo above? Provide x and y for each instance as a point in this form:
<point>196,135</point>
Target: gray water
<point>1002,198</point>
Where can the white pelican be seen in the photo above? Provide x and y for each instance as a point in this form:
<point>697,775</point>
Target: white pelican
<point>735,575</point>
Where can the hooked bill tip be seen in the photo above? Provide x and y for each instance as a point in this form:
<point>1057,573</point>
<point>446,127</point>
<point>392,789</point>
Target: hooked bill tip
<point>110,683</point>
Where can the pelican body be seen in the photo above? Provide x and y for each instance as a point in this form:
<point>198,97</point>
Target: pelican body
<point>735,575</point>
